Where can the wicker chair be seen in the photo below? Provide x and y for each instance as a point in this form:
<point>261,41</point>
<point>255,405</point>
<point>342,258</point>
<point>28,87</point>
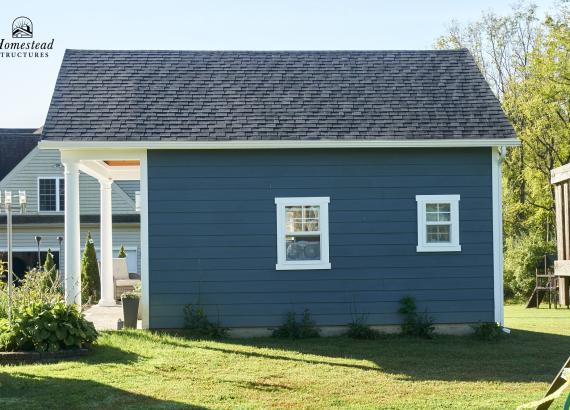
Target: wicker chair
<point>121,277</point>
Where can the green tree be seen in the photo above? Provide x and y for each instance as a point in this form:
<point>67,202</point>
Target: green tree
<point>122,253</point>
<point>90,281</point>
<point>526,62</point>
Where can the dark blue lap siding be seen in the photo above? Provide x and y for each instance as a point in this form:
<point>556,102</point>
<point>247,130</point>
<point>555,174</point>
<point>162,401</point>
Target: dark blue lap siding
<point>212,233</point>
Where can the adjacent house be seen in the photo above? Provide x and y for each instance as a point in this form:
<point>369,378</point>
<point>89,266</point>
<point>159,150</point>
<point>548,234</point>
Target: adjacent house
<point>334,181</point>
<point>40,173</point>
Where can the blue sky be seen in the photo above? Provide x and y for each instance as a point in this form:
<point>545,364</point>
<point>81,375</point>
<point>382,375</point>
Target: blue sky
<point>27,84</point>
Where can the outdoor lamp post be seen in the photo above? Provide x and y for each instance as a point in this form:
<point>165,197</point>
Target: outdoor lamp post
<point>38,240</point>
<point>8,207</point>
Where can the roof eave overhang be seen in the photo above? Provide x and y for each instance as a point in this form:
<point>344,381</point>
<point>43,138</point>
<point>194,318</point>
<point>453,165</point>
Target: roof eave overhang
<point>279,144</point>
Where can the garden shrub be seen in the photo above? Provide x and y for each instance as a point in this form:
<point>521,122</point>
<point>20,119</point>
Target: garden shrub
<point>198,325</point>
<point>37,286</point>
<point>359,329</point>
<point>50,267</point>
<point>488,331</point>
<point>292,329</point>
<point>415,324</point>
<point>90,282</point>
<point>47,327</point>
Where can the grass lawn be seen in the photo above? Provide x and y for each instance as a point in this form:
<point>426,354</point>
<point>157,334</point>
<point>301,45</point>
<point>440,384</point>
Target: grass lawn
<point>146,370</point>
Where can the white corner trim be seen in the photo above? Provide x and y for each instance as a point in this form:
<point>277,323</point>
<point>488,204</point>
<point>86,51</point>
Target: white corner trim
<point>145,273</point>
<point>423,245</point>
<point>324,262</point>
<point>497,236</point>
<point>279,144</point>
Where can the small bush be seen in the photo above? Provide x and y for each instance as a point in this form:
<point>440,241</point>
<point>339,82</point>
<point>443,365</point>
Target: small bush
<point>37,286</point>
<point>292,329</point>
<point>46,327</point>
<point>415,324</point>
<point>488,331</point>
<point>122,253</point>
<point>359,329</point>
<point>198,325</point>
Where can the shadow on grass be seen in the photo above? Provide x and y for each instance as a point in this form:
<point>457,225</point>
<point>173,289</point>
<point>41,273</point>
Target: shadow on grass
<point>24,391</point>
<point>522,356</point>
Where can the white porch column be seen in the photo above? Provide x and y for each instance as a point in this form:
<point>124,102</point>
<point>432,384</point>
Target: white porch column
<point>106,246</point>
<point>72,234</point>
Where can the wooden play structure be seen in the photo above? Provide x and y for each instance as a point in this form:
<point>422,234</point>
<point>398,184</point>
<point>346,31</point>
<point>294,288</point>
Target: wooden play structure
<point>546,284</point>
<point>560,178</point>
<point>558,386</point>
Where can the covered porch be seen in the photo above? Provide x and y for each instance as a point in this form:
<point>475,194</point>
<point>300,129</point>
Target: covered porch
<point>106,166</point>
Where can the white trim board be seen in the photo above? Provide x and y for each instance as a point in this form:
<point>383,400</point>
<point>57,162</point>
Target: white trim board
<point>453,245</point>
<point>278,144</point>
<point>324,261</point>
<point>144,241</point>
<point>498,297</point>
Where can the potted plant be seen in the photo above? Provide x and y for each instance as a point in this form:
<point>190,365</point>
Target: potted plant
<point>130,301</point>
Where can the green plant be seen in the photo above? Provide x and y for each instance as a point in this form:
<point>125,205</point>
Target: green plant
<point>130,295</point>
<point>49,265</point>
<point>47,327</point>
<point>415,324</point>
<point>122,253</point>
<point>197,324</point>
<point>90,273</point>
<point>293,329</point>
<point>359,329</point>
<point>36,286</point>
<point>488,331</point>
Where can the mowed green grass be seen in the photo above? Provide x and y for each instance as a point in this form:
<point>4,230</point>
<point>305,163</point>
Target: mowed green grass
<point>136,370</point>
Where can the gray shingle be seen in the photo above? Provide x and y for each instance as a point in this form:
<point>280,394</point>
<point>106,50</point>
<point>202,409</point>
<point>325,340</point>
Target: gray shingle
<point>222,95</point>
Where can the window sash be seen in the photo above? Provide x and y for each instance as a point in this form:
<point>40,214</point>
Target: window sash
<point>55,198</point>
<point>443,211</point>
<point>307,206</point>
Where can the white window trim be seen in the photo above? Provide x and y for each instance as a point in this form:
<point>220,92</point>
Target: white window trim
<point>58,205</point>
<point>323,203</point>
<point>423,245</point>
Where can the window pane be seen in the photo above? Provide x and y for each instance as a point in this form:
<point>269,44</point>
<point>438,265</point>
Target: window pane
<point>303,248</point>
<point>438,212</point>
<point>61,194</point>
<point>302,218</point>
<point>311,218</point>
<point>47,197</point>
<point>443,208</point>
<point>438,233</point>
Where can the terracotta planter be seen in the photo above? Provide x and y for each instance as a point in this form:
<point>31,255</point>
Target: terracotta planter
<point>130,312</point>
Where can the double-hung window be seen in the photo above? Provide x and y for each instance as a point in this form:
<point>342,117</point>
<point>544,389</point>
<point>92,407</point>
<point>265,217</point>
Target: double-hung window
<point>302,233</point>
<point>51,194</point>
<point>438,223</point>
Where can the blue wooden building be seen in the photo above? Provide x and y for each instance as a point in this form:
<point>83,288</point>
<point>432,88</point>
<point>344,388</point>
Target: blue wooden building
<point>334,181</point>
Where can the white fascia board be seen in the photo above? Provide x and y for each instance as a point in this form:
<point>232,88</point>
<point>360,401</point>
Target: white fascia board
<point>278,144</point>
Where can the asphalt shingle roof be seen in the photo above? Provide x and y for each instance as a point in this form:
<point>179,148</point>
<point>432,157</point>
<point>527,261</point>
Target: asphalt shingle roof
<point>15,144</point>
<point>266,95</point>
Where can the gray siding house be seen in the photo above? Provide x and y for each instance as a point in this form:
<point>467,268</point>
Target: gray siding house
<point>334,181</point>
<point>40,174</point>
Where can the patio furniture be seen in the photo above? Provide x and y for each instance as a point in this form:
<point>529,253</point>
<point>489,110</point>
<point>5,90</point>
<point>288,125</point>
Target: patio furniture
<point>121,277</point>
